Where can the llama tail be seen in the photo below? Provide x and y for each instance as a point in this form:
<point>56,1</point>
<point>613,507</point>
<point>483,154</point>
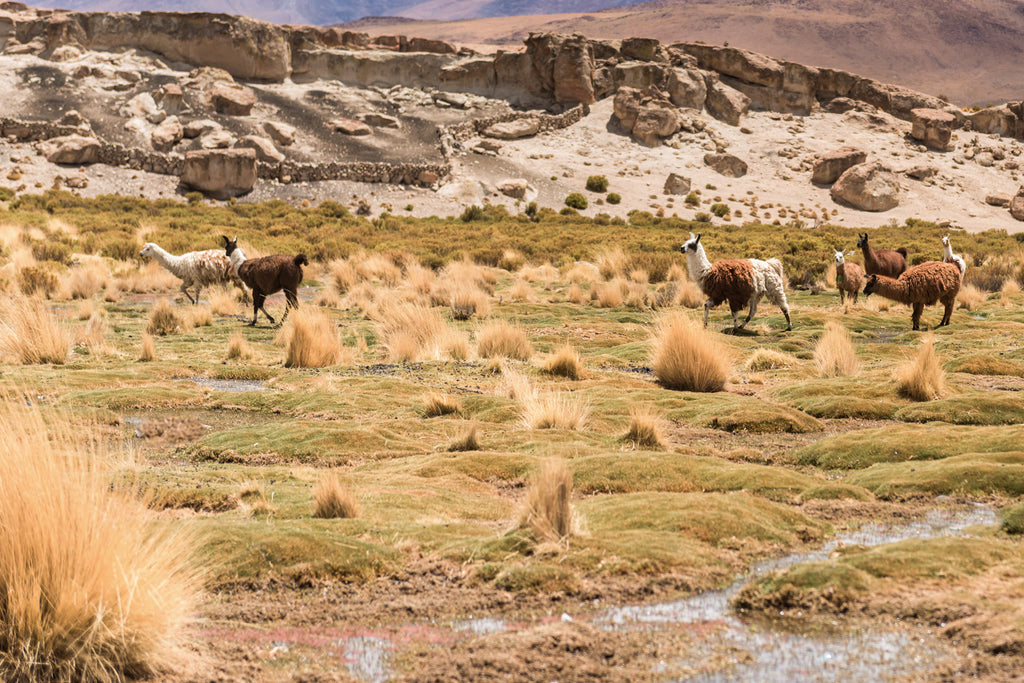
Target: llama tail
<point>903,251</point>
<point>776,264</point>
<point>301,260</point>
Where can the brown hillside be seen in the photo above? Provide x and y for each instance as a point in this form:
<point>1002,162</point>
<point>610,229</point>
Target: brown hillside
<point>971,50</point>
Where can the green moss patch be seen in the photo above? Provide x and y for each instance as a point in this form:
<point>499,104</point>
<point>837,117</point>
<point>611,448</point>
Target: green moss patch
<point>861,397</point>
<point>985,364</point>
<point>980,408</point>
<point>976,474</point>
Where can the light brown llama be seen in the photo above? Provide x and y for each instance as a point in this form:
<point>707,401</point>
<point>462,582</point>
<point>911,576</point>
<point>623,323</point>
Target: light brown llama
<point>849,278</point>
<point>882,261</point>
<point>920,286</point>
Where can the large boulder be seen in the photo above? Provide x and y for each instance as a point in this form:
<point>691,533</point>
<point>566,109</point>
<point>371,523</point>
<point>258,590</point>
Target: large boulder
<point>868,187</point>
<point>648,114</point>
<point>932,127</point>
<point>264,147</point>
<point>626,106</point>
<point>231,99</point>
<point>829,166</point>
<point>560,68</point>
<point>167,134</point>
<point>172,99</point>
<point>643,49</point>
<point>677,184</point>
<point>686,89</point>
<point>727,164</point>
<point>71,150</point>
<point>221,173</point>
<point>198,127</point>
<point>512,130</point>
<point>517,188</point>
<point>1000,120</point>
<point>726,104</point>
<point>1017,205</point>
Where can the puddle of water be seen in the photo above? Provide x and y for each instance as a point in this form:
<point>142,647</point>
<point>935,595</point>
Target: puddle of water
<point>229,384</point>
<point>368,658</point>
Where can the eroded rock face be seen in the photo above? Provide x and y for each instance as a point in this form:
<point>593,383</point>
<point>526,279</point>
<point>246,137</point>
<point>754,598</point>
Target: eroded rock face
<point>726,104</point>
<point>281,133</point>
<point>167,134</point>
<point>868,187</point>
<point>264,147</point>
<point>687,89</point>
<point>560,67</point>
<point>727,164</point>
<point>220,173</point>
<point>1017,205</point>
<point>932,127</point>
<point>829,166</point>
<point>71,150</point>
<point>648,114</point>
<point>230,99</point>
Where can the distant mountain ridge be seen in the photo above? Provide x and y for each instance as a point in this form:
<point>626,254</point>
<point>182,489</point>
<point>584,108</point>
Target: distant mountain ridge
<point>325,12</point>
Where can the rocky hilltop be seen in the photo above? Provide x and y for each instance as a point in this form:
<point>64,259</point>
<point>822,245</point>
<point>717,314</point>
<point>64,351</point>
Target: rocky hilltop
<point>235,106</point>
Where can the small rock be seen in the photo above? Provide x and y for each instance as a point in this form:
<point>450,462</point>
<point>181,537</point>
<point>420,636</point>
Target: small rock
<point>726,164</point>
<point>280,133</point>
<point>166,135</point>
<point>677,184</point>
<point>517,188</point>
<point>194,129</point>
<point>71,150</point>
<point>217,139</point>
<point>265,150</point>
<point>1017,205</point>
<point>933,127</point>
<point>379,120</point>
<point>511,130</point>
<point>868,187</point>
<point>921,172</point>
<point>231,99</point>
<point>998,199</point>
<point>350,127</point>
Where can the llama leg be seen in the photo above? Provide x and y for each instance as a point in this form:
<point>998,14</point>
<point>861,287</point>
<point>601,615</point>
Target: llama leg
<point>184,290</point>
<point>707,308</point>
<point>750,313</point>
<point>916,315</point>
<point>948,313</point>
<point>841,293</point>
<point>292,302</point>
<point>199,288</point>
<point>854,294</point>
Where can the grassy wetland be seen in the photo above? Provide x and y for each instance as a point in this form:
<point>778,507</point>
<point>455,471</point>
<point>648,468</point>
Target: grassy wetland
<point>486,417</point>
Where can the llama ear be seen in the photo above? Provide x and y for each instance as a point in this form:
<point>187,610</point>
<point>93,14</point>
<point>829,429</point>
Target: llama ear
<point>698,237</point>
<point>691,235</point>
<point>226,240</point>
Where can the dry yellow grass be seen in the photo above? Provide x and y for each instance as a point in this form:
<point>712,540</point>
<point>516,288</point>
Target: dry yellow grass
<point>686,357</point>
<point>611,262</point>
<point>164,320</point>
<point>200,316</point>
<point>501,339</point>
<point>607,294</point>
<point>85,309</point>
<point>30,334</point>
<point>411,332</point>
<point>515,384</point>
<point>639,275</point>
<point>582,273</point>
<point>92,589</point>
<point>547,510</point>
<point>470,441</point>
<point>922,379</point>
<point>436,404</point>
<point>147,352</point>
<point>834,354</point>
<point>85,281</point>
<point>556,410</point>
<point>565,362</point>
<point>575,295</point>
<point>769,359</point>
<point>420,279</point>
<point>676,273</point>
<point>94,335</point>
<point>328,297</point>
<point>238,347</point>
<point>467,300</point>
<point>223,301</point>
<point>522,292</point>
<point>970,297</point>
<point>331,500</point>
<point>344,274</point>
<point>645,429</point>
<point>377,267</point>
<point>312,339</point>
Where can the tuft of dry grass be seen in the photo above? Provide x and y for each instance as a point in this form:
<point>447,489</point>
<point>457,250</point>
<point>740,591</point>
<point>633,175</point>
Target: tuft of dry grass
<point>556,410</point>
<point>834,354</point>
<point>85,281</point>
<point>565,362</point>
<point>223,301</point>
<point>163,320</point>
<point>148,351</point>
<point>608,294</point>
<point>331,500</point>
<point>93,589</point>
<point>344,274</point>
<point>515,384</point>
<point>312,339</point>
<point>547,510</point>
<point>436,404</point>
<point>328,297</point>
<point>200,316</point>
<point>467,300</point>
<point>522,292</point>
<point>769,359</point>
<point>575,295</point>
<point>970,297</point>
<point>922,379</point>
<point>645,430</point>
<point>410,332</point>
<point>686,357</point>
<point>86,309</point>
<point>689,294</point>
<point>582,273</point>
<point>501,339</point>
<point>30,334</point>
<point>238,347</point>
<point>469,442</point>
<point>94,335</point>
<point>676,273</point>
<point>377,267</point>
<point>611,262</point>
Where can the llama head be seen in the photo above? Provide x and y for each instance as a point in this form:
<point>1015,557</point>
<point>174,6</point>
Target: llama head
<point>945,240</point>
<point>870,286</point>
<point>862,241</point>
<point>229,245</point>
<point>839,257</point>
<point>147,249</point>
<point>690,246</point>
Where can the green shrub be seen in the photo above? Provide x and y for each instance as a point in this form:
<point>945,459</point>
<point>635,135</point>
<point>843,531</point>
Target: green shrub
<point>6,194</point>
<point>597,183</point>
<point>194,198</point>
<point>702,217</point>
<point>720,210</point>
<point>613,198</point>
<point>576,201</point>
<point>693,199</point>
<point>472,213</point>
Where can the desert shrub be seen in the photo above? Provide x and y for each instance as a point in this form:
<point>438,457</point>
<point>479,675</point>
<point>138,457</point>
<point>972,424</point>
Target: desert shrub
<point>472,213</point>
<point>834,354</point>
<point>645,430</point>
<point>313,340</point>
<point>51,250</point>
<point>597,183</point>
<point>93,589</point>
<point>613,198</point>
<point>922,379</point>
<point>686,357</point>
<point>331,500</point>
<point>702,217</point>
<point>501,339</point>
<point>163,320</point>
<point>547,511</point>
<point>576,201</point>
<point>693,199</point>
<point>565,362</point>
<point>720,210</point>
<point>30,334</point>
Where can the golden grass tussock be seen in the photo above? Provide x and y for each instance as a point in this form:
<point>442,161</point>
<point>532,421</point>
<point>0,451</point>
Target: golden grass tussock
<point>970,297</point>
<point>84,282</point>
<point>686,357</point>
<point>565,362</point>
<point>344,275</point>
<point>611,262</point>
<point>830,275</point>
<point>514,384</point>
<point>30,334</point>
<point>328,297</point>
<point>200,316</point>
<point>834,354</point>
<point>556,410</point>
<point>575,295</point>
<point>224,301</point>
<point>769,359</point>
<point>38,279</point>
<point>638,296</point>
<point>676,273</point>
<point>547,509</point>
<point>147,352</point>
<point>85,309</point>
<point>112,294</point>
<point>468,273</point>
<point>645,429</point>
<point>93,589</point>
<point>467,300</point>
<point>164,320</point>
<point>607,294</point>
<point>238,347</point>
<point>332,500</point>
<point>522,292</point>
<point>436,404</point>
<point>94,335</point>
<point>378,268</point>
<point>312,339</point>
<point>640,276</point>
<point>411,332</point>
<point>420,279</point>
<point>470,441</point>
<point>922,378</point>
<point>501,339</point>
<point>151,277</point>
<point>583,273</point>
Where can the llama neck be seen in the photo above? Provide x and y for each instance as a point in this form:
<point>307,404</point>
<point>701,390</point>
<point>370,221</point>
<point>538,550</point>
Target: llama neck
<point>237,258</point>
<point>892,289</point>
<point>869,255</point>
<point>165,258</point>
<point>697,263</point>
<point>948,252</point>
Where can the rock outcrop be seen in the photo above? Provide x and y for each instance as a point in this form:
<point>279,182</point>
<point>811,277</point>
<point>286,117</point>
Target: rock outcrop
<point>828,167</point>
<point>868,187</point>
<point>72,150</point>
<point>648,115</point>
<point>676,184</point>
<point>220,173</point>
<point>932,127</point>
<point>726,164</point>
<point>1017,205</point>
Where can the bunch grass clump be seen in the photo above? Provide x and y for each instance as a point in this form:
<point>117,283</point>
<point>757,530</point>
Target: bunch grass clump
<point>565,362</point>
<point>686,357</point>
<point>501,339</point>
<point>93,590</point>
<point>645,430</point>
<point>922,379</point>
<point>436,404</point>
<point>312,339</point>
<point>547,511</point>
<point>30,334</point>
<point>163,320</point>
<point>331,500</point>
<point>147,352</point>
<point>556,410</point>
<point>470,441</point>
<point>238,347</point>
<point>834,354</point>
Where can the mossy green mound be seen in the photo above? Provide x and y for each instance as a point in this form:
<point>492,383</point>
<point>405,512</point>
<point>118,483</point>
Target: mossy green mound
<point>967,409</point>
<point>975,474</point>
<point>859,397</point>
